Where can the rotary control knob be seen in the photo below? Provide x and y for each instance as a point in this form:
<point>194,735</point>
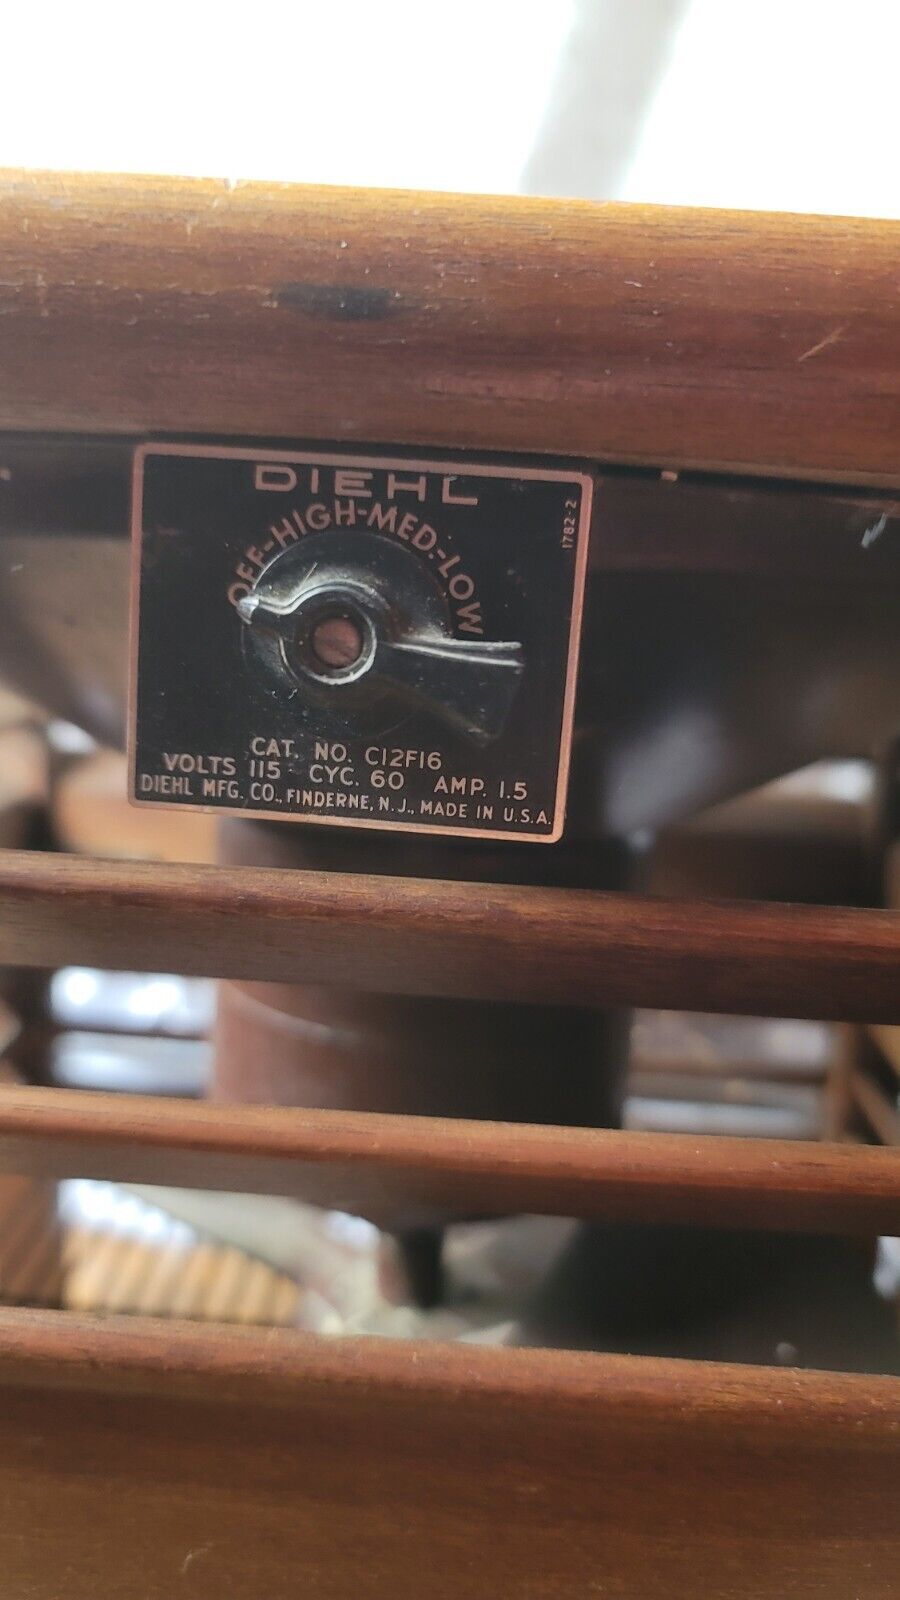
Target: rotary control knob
<point>358,629</point>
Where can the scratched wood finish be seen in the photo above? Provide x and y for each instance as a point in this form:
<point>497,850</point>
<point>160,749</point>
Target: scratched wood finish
<point>663,336</point>
<point>140,1460</point>
<point>490,941</point>
<point>358,1161</point>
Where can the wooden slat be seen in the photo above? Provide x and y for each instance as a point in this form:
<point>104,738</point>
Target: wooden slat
<point>409,936</point>
<point>666,336</point>
<point>142,1460</point>
<point>357,1161</point>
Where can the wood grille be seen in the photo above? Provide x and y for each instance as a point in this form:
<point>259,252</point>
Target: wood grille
<point>404,1425</point>
<point>138,1457</point>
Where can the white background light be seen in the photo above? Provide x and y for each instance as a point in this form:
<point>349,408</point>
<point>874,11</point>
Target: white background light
<point>355,91</point>
<point>783,104</point>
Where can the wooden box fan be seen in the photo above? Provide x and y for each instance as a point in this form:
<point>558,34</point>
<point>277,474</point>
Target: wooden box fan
<point>456,626</point>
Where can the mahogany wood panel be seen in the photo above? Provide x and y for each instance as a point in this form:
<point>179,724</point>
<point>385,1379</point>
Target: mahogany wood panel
<point>359,1161</point>
<point>490,941</point>
<point>140,1460</point>
<point>662,336</point>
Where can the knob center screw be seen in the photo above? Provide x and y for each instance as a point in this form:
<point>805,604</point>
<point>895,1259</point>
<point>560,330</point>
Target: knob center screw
<point>337,641</point>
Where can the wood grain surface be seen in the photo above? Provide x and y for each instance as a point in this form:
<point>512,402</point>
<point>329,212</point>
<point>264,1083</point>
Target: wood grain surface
<point>662,336</point>
<point>488,941</point>
<point>140,1460</point>
<point>371,1163</point>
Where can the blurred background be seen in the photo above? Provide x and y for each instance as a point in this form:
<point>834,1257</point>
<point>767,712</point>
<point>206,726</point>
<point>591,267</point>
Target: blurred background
<point>775,104</point>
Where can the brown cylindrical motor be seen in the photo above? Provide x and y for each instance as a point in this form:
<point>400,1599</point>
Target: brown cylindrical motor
<point>280,1044</point>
